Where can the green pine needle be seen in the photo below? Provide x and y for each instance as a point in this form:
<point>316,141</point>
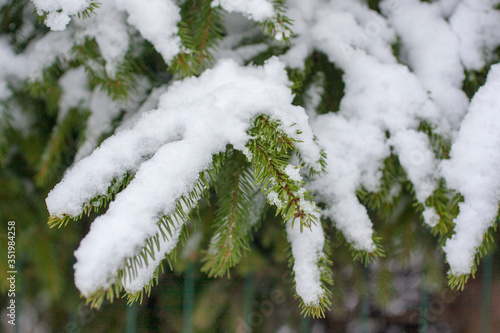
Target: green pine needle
<point>326,278</point>
<point>232,218</point>
<point>180,216</point>
<point>89,11</point>
<point>458,282</point>
<point>271,150</point>
<point>97,203</point>
<point>200,30</point>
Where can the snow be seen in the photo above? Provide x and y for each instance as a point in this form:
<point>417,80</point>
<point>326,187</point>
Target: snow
<point>378,98</point>
<point>381,97</point>
<point>293,173</point>
<point>238,28</point>
<point>417,158</point>
<point>57,21</point>
<point>307,249</point>
<point>75,91</point>
<point>435,61</point>
<point>473,171</point>
<point>59,11</point>
<point>11,66</point>
<point>108,27</point>
<point>167,149</point>
<point>170,173</point>
<point>44,52</point>
<point>478,29</point>
<point>134,284</point>
<point>157,21</point>
<point>69,6</point>
<point>345,171</point>
<point>103,110</point>
<point>274,199</point>
<point>258,10</point>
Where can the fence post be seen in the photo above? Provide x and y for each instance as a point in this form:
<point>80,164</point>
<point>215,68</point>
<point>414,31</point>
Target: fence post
<point>305,324</point>
<point>188,303</point>
<point>131,320</point>
<point>424,310</point>
<point>486,293</point>
<point>248,297</point>
<point>365,301</point>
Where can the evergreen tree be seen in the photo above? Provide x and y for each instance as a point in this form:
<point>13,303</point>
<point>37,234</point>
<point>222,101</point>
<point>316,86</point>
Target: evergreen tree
<point>204,122</point>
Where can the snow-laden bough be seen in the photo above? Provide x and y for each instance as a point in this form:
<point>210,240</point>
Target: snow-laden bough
<point>166,151</point>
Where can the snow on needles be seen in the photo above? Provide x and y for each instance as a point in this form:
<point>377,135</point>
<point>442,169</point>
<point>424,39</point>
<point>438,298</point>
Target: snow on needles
<point>473,171</point>
<point>257,10</point>
<point>307,250</point>
<point>435,61</point>
<point>380,96</point>
<point>11,65</point>
<point>156,20</point>
<point>478,29</point>
<point>59,11</point>
<point>167,149</point>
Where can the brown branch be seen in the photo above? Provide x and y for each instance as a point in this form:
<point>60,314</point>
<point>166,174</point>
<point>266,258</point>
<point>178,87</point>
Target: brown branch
<point>202,45</point>
<point>227,252</point>
<point>280,178</point>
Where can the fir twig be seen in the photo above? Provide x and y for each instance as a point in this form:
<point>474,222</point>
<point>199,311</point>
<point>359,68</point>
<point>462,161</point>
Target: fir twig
<point>278,27</point>
<point>271,150</point>
<point>459,281</point>
<point>179,217</point>
<point>95,204</point>
<point>89,11</point>
<point>232,218</point>
<point>200,30</point>
<point>326,279</point>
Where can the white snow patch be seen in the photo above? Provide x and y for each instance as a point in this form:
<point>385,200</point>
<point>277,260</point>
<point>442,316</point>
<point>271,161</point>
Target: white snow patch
<point>157,22</point>
<point>59,11</point>
<point>473,171</point>
<point>293,173</point>
<point>257,10</point>
<point>477,26</point>
<point>307,250</point>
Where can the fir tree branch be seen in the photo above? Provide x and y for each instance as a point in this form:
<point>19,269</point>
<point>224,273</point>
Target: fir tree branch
<point>47,87</point>
<point>326,280</point>
<point>95,204</point>
<point>445,202</point>
<point>71,128</point>
<point>117,85</point>
<point>271,150</point>
<point>83,14</point>
<point>89,11</point>
<point>232,218</point>
<point>393,177</point>
<point>179,217</point>
<point>363,256</point>
<point>440,144</point>
<point>200,30</point>
<point>278,27</point>
<point>207,37</point>
<point>458,281</point>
